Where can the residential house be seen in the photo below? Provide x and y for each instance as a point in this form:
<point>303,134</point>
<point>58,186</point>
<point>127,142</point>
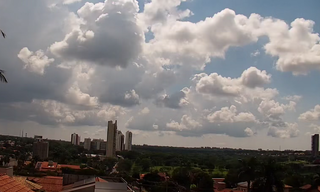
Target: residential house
<point>46,166</point>
<point>53,166</point>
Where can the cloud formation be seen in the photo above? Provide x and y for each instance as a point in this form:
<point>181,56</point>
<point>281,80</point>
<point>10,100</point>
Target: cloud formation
<point>147,68</point>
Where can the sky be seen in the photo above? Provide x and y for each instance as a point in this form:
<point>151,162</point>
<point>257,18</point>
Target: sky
<point>187,73</point>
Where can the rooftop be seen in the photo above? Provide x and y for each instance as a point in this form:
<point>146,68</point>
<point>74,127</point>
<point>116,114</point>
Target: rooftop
<point>76,167</point>
<point>29,184</point>
<point>97,184</point>
<point>49,183</point>
<point>10,184</point>
<point>45,166</point>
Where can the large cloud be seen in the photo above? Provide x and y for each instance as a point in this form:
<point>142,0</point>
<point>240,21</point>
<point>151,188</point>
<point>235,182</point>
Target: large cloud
<point>247,87</point>
<point>108,36</point>
<point>311,115</point>
<point>298,48</point>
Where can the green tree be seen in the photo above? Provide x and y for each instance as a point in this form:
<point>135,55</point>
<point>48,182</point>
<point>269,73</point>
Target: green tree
<point>269,180</point>
<point>108,163</point>
<point>202,180</point>
<point>205,183</point>
<point>2,77</point>
<point>295,180</point>
<point>145,164</point>
<point>248,171</point>
<point>151,182</point>
<point>315,181</point>
<point>181,175</point>
<point>124,165</point>
<point>232,179</point>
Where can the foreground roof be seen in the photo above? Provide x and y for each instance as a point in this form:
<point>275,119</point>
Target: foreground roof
<point>49,183</point>
<point>8,184</point>
<point>29,184</point>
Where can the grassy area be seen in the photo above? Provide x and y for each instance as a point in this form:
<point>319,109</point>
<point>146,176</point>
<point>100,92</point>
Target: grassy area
<point>214,172</point>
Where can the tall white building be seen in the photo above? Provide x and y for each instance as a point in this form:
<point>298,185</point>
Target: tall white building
<point>119,141</point>
<point>75,139</point>
<point>111,139</point>
<point>87,143</point>
<point>128,144</point>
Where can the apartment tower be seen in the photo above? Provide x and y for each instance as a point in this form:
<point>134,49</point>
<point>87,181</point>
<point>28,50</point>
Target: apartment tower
<point>87,144</point>
<point>111,139</point>
<point>75,139</point>
<point>119,141</point>
<point>128,144</point>
<point>40,149</point>
<point>315,145</point>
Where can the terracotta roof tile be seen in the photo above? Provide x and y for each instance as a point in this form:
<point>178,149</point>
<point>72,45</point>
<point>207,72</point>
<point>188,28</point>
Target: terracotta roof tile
<point>49,183</point>
<point>287,186</point>
<point>29,184</point>
<point>9,184</point>
<point>307,186</point>
<point>98,179</point>
<point>218,179</point>
<point>76,167</point>
<point>44,166</point>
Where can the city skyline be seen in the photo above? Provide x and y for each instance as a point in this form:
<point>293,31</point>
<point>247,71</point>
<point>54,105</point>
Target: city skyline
<point>176,73</point>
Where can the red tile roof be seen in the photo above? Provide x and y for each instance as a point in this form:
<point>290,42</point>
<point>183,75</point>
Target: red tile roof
<point>98,179</point>
<point>287,187</point>
<point>218,179</point>
<point>307,186</point>
<point>49,183</point>
<point>45,166</point>
<point>76,167</point>
<point>8,184</point>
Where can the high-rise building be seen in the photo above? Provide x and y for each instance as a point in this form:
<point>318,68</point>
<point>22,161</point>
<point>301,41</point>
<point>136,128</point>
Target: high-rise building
<point>103,145</point>
<point>75,139</point>
<point>111,139</point>
<point>96,144</point>
<point>87,143</point>
<point>119,141</point>
<point>128,144</point>
<point>41,149</point>
<point>37,137</point>
<point>315,144</point>
<point>122,142</point>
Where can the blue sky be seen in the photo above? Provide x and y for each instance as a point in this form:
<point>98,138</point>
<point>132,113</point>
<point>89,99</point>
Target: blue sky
<point>238,59</point>
<point>90,63</point>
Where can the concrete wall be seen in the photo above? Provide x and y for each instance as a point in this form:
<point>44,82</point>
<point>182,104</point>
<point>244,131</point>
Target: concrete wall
<point>7,170</point>
<point>87,189</point>
<point>72,178</point>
